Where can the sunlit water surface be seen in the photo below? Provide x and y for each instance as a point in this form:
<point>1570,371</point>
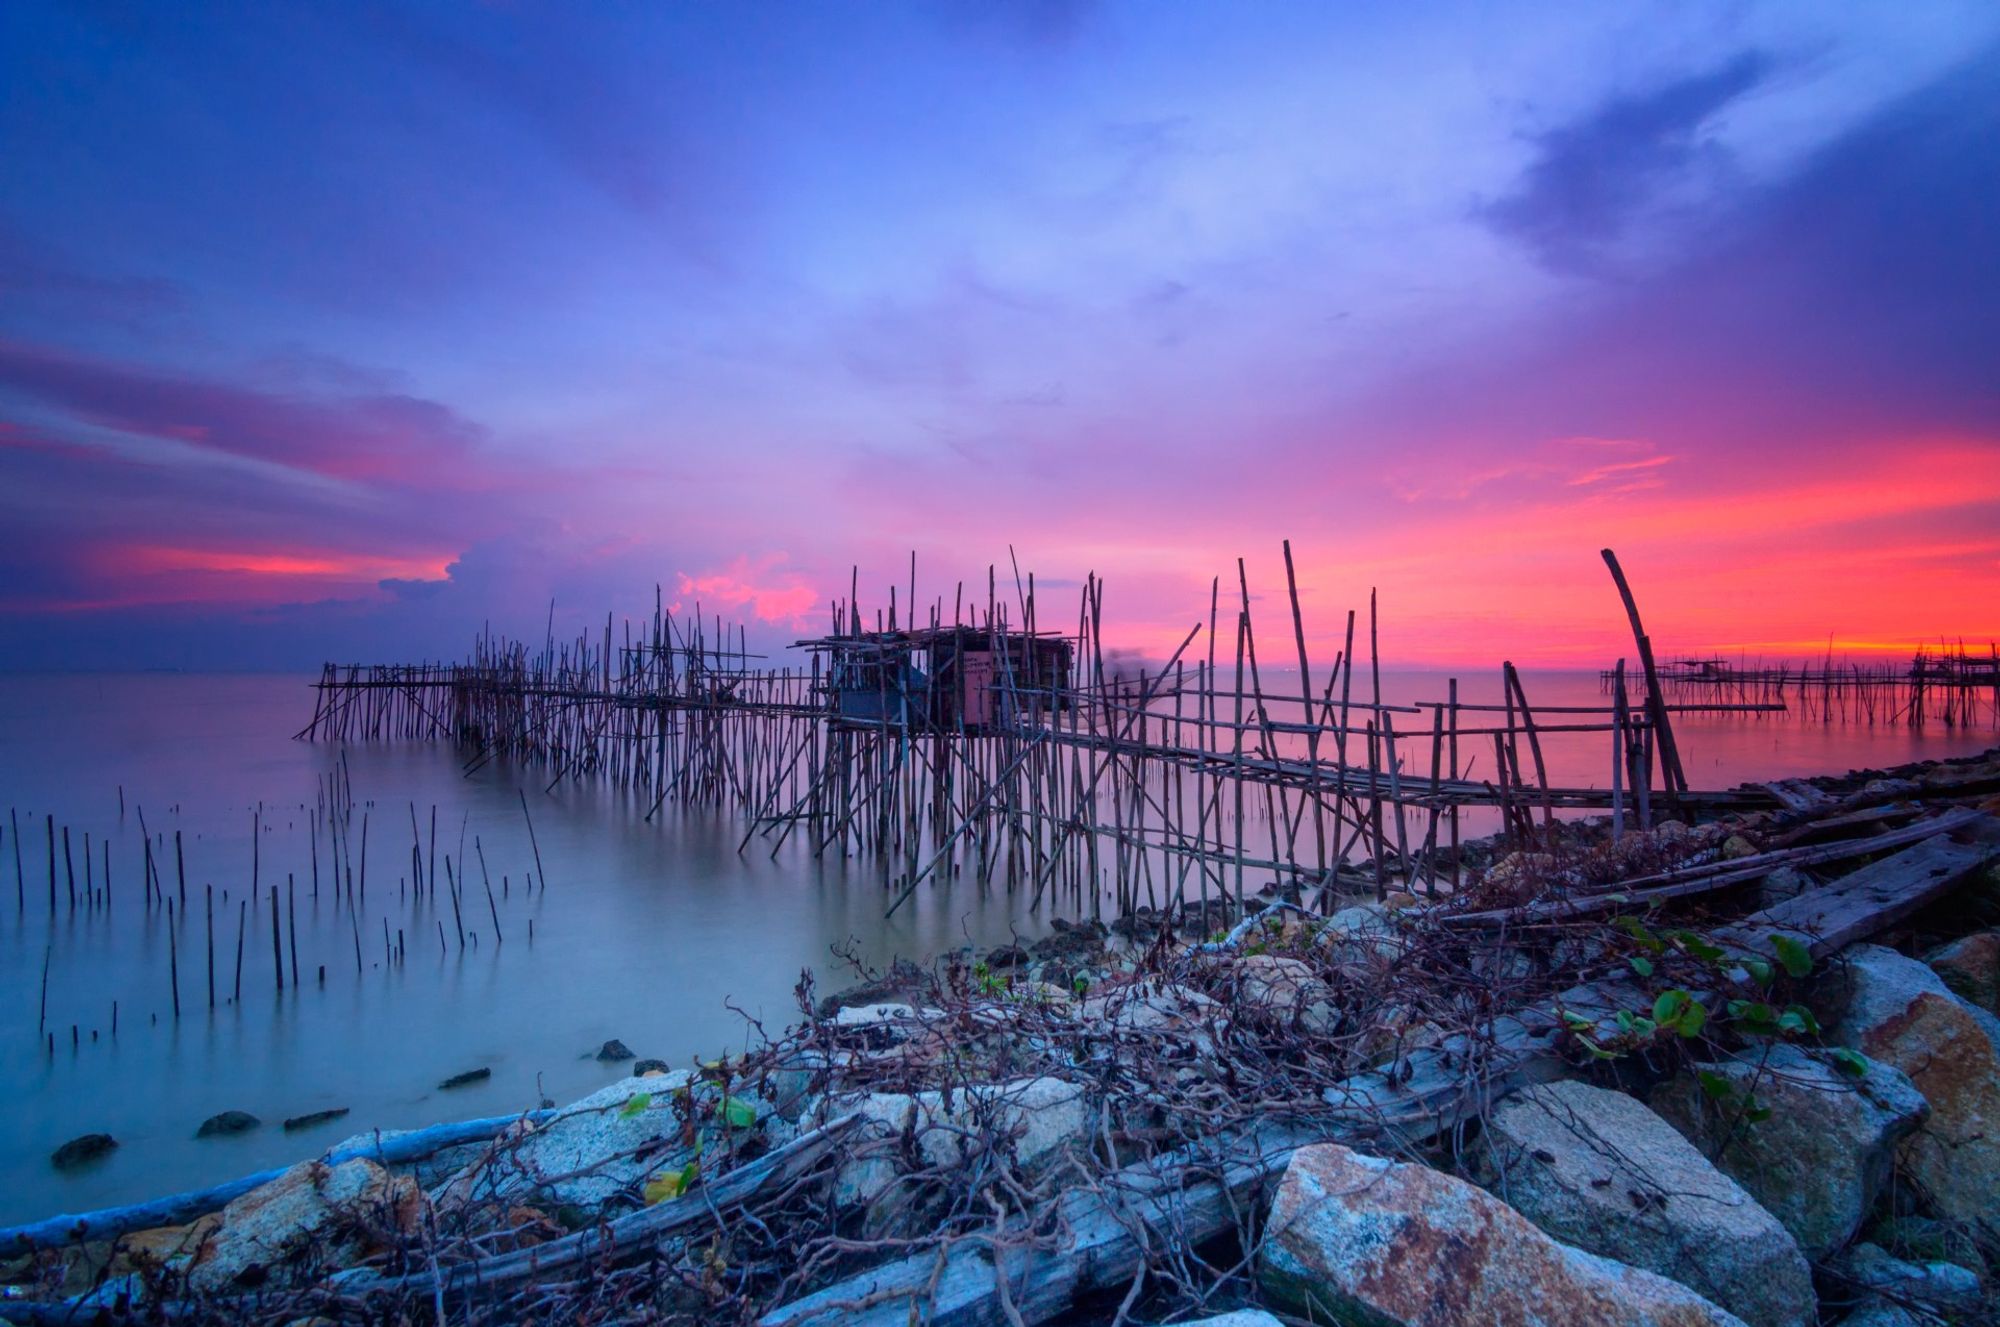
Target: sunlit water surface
<point>659,934</point>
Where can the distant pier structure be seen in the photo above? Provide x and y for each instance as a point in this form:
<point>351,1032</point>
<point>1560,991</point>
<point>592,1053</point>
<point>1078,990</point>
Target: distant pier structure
<point>1953,685</point>
<point>975,741</point>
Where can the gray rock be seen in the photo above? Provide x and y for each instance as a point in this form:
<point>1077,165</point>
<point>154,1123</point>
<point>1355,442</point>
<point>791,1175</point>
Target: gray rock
<point>83,1150</point>
<point>311,1218</point>
<point>312,1118</point>
<point>1357,1239</point>
<point>1597,1169</point>
<point>1926,1239</point>
<point>1007,956</point>
<point>1971,968</point>
<point>1043,1117</point>
<point>1940,1286</point>
<point>1160,1016</point>
<point>1781,886</point>
<point>466,1079</point>
<point>1822,1158</point>
<point>227,1123</point>
<point>1289,989</point>
<point>1896,1010</point>
<point>613,1051</point>
<point>1880,1313</point>
<point>872,1015</point>
<point>591,1150</point>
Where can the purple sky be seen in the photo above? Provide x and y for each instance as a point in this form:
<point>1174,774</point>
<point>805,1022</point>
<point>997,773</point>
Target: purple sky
<point>340,331</point>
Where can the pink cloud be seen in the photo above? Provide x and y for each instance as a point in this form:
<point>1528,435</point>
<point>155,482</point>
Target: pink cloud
<point>763,589</point>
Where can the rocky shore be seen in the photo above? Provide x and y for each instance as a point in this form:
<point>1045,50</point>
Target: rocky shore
<point>1745,1071</point>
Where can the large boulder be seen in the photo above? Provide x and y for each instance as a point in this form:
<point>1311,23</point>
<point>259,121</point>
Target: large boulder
<point>1597,1169</point>
<point>310,1220</point>
<point>1359,1239</point>
<point>1822,1157</point>
<point>1971,968</point>
<point>1896,1010</point>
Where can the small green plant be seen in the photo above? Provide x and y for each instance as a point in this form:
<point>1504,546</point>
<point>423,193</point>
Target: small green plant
<point>1676,1013</point>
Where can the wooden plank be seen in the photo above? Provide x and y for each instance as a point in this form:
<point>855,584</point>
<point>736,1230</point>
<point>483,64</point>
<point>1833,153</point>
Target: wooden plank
<point>1712,876</point>
<point>1873,898</point>
<point>1797,795</point>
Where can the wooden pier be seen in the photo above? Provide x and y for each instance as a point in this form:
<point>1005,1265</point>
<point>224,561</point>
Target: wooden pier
<point>1953,686</point>
<point>981,742</point>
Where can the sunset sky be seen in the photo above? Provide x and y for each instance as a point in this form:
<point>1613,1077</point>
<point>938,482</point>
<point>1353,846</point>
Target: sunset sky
<point>337,331</point>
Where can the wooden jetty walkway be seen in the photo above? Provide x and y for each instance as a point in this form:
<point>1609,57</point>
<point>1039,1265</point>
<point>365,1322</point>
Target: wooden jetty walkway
<point>991,745</point>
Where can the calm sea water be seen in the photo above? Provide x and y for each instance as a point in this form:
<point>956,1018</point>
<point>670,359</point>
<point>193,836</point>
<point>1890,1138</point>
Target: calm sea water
<point>659,934</point>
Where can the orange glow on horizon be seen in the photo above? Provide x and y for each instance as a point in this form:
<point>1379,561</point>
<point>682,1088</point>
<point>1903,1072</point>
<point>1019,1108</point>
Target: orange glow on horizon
<point>153,559</point>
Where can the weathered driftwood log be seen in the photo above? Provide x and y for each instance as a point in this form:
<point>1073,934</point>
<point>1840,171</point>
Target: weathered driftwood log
<point>1104,1234</point>
<point>1713,876</point>
<point>611,1238</point>
<point>111,1222</point>
<point>655,1225</point>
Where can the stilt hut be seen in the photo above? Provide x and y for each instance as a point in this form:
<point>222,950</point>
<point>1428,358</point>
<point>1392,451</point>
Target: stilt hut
<point>946,679</point>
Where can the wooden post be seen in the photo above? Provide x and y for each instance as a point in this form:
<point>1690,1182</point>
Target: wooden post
<point>277,957</point>
<point>1656,705</point>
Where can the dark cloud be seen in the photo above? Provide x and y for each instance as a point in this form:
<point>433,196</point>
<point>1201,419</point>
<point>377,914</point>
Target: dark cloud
<point>1591,181</point>
<point>1853,302</point>
<point>384,437</point>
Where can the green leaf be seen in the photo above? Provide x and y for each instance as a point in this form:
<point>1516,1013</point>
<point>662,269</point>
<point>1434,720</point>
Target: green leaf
<point>1760,971</point>
<point>1793,954</point>
<point>1800,1017</point>
<point>1697,946</point>
<point>1642,966</point>
<point>1597,1051</point>
<point>737,1113</point>
<point>1692,1017</point>
<point>1634,1026</point>
<point>662,1187</point>
<point>1635,928</point>
<point>1715,1086</point>
<point>1668,1007</point>
<point>635,1106</point>
<point>1576,1021</point>
<point>1757,1114</point>
<point>1851,1063</point>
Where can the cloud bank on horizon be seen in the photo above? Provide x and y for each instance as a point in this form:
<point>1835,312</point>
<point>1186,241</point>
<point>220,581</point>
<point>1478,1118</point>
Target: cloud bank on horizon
<point>340,331</point>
